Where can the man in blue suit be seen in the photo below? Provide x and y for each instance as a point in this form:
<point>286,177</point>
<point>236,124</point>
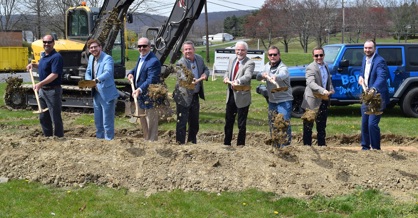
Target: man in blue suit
<point>374,76</point>
<point>147,71</point>
<point>105,94</point>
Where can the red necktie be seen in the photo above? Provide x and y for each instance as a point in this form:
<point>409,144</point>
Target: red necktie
<point>236,70</point>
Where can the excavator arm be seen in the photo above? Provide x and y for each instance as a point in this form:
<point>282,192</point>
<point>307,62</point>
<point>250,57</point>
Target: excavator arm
<point>108,24</point>
<point>170,36</point>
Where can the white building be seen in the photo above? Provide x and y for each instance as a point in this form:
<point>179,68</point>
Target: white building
<point>219,37</point>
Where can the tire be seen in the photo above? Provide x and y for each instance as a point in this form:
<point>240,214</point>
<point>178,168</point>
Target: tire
<point>297,93</point>
<point>409,105</point>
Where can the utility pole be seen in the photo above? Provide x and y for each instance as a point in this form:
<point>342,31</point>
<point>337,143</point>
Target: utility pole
<point>207,32</point>
<point>343,27</point>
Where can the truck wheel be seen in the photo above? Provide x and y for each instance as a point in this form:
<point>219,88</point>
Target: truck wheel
<point>409,105</point>
<point>297,93</point>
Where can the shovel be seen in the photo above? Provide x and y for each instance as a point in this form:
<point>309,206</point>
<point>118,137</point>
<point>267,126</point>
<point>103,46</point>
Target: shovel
<point>236,87</point>
<point>136,115</point>
<point>278,88</point>
<point>40,110</point>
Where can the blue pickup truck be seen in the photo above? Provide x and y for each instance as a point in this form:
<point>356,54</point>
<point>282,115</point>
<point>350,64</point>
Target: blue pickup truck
<point>344,62</point>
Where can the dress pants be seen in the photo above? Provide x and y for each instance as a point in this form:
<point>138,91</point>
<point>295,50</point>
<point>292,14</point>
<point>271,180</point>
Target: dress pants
<point>321,124</point>
<point>231,111</point>
<point>370,131</point>
<point>51,99</point>
<point>104,117</point>
<point>151,115</point>
<point>188,115</point>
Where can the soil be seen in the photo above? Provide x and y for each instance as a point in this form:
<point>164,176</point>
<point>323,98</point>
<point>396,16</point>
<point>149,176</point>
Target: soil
<point>132,163</point>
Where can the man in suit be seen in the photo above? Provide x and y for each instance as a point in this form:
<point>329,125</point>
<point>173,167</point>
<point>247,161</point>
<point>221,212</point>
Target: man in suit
<point>239,73</point>
<point>147,71</point>
<point>318,81</point>
<point>276,75</point>
<point>187,100</point>
<point>105,94</point>
<point>374,76</point>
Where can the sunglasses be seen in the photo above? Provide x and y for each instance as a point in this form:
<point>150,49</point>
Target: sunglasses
<point>274,55</point>
<point>319,55</point>
<point>47,42</point>
<point>142,46</point>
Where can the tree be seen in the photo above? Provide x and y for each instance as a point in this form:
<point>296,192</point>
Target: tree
<point>272,21</point>
<point>7,7</point>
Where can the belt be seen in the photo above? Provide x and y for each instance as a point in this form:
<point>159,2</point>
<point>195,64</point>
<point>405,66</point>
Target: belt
<point>50,87</point>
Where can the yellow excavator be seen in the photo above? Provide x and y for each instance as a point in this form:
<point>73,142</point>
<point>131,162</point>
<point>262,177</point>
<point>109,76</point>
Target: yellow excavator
<point>107,25</point>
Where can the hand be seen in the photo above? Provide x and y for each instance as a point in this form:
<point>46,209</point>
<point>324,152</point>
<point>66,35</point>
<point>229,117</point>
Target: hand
<point>327,93</point>
<point>226,80</point>
<point>136,93</point>
<point>130,77</point>
<point>37,86</point>
<point>360,80</point>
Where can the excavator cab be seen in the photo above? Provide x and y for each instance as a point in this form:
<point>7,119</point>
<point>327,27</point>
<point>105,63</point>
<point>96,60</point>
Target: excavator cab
<point>80,22</point>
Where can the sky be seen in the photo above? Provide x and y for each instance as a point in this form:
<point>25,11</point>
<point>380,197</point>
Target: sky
<point>164,6</point>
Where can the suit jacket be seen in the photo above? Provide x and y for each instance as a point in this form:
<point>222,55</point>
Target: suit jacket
<point>378,77</point>
<point>182,95</point>
<point>149,74</point>
<point>314,84</point>
<point>106,87</point>
<point>244,75</point>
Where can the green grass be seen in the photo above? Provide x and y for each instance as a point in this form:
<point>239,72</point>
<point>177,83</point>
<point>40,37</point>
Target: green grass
<point>23,199</point>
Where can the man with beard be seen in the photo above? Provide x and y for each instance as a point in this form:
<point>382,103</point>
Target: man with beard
<point>374,75</point>
<point>50,69</point>
<point>105,94</point>
<point>276,75</point>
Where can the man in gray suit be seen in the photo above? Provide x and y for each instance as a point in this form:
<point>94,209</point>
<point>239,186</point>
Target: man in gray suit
<point>239,73</point>
<point>187,99</point>
<point>318,82</point>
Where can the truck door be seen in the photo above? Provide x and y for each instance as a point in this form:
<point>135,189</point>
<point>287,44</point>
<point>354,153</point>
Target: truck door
<point>345,81</point>
<point>394,56</point>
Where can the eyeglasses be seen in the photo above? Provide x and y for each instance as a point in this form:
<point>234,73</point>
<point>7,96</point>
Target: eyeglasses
<point>274,55</point>
<point>93,47</point>
<point>319,55</point>
<point>47,42</point>
<point>142,46</point>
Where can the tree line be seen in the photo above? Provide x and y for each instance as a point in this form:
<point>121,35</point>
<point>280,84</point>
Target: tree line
<point>307,21</point>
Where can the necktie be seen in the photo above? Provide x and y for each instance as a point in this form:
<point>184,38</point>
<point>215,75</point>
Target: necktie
<point>235,70</point>
<point>95,65</point>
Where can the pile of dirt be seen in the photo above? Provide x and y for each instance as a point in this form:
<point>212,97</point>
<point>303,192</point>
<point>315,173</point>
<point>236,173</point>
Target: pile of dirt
<point>130,162</point>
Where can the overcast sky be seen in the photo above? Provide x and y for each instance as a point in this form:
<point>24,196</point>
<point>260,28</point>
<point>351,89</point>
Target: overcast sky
<point>163,7</point>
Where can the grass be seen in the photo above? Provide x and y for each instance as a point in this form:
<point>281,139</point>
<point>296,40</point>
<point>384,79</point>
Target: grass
<point>20,198</point>
<point>23,199</point>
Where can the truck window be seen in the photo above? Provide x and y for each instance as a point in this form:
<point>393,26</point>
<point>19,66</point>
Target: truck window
<point>331,53</point>
<point>413,57</point>
<point>392,56</point>
<point>354,56</point>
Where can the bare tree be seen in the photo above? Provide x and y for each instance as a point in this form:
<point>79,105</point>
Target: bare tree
<point>7,7</point>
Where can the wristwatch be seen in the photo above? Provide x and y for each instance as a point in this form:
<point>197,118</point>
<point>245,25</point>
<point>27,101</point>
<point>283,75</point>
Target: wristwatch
<point>96,80</point>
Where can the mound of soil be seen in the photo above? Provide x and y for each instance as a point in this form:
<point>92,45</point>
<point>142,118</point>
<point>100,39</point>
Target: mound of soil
<point>132,163</point>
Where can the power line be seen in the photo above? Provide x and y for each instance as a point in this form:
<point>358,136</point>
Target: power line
<point>235,3</point>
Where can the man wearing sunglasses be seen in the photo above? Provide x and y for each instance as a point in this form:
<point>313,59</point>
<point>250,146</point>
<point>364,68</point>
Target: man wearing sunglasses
<point>318,83</point>
<point>280,96</point>
<point>147,71</point>
<point>100,69</point>
<point>50,69</point>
